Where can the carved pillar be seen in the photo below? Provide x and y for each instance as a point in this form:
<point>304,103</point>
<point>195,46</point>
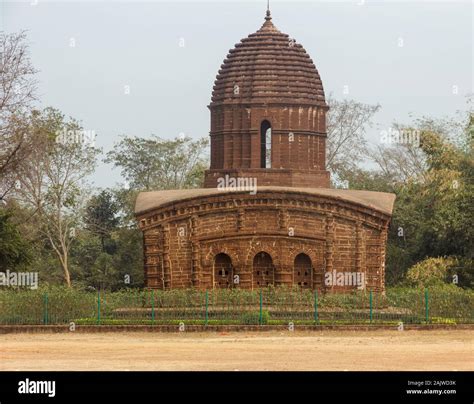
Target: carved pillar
<point>145,269</point>
<point>383,246</point>
<point>358,246</point>
<point>246,266</point>
<point>167,276</point>
<point>152,249</point>
<point>160,282</point>
<point>283,220</point>
<point>195,249</point>
<point>245,275</point>
<point>284,274</point>
<point>196,267</point>
<point>329,246</point>
<point>255,149</point>
<point>236,150</point>
<point>228,150</point>
<point>360,264</point>
<point>240,219</point>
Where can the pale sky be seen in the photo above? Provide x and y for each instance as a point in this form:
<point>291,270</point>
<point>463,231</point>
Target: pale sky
<point>412,57</point>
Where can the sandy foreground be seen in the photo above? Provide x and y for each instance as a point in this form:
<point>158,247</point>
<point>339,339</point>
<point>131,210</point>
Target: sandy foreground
<point>327,350</point>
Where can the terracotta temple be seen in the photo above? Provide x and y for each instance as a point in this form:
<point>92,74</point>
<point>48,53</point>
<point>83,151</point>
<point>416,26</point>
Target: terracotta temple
<point>266,214</point>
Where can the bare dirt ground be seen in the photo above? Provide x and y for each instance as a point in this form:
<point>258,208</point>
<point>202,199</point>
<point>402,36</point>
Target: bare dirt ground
<point>327,350</point>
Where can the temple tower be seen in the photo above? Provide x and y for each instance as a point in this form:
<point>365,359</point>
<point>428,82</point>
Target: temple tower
<point>268,114</point>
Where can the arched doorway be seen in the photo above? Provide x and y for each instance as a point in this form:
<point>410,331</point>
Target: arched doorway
<point>263,270</point>
<point>303,270</point>
<point>223,272</point>
<point>265,144</point>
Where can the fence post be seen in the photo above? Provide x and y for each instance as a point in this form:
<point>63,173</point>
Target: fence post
<point>371,311</point>
<point>152,306</point>
<point>45,310</point>
<point>427,308</point>
<point>260,317</point>
<point>98,307</point>
<point>316,317</point>
<point>207,309</point>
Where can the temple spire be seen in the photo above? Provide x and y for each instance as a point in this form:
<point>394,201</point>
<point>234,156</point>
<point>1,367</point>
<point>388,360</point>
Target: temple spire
<point>268,16</point>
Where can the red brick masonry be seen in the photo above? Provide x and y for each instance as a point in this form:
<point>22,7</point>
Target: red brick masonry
<point>184,231</point>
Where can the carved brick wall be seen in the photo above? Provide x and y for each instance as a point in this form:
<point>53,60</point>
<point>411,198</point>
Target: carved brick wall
<point>182,240</point>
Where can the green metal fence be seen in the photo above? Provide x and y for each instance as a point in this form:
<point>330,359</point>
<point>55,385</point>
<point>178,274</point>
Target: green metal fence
<point>236,306</point>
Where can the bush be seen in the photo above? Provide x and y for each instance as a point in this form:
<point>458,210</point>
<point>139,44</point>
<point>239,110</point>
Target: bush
<point>53,305</point>
<point>431,271</point>
<point>60,305</point>
<point>444,301</point>
<point>253,317</point>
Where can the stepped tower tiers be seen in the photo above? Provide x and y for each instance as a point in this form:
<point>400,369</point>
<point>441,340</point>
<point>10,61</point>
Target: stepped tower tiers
<point>284,226</point>
<point>268,114</point>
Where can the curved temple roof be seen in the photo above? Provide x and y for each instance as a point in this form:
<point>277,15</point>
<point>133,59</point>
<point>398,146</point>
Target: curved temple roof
<point>380,201</point>
<point>268,66</point>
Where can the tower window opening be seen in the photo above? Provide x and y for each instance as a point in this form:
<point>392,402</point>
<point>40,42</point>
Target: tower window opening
<point>266,145</point>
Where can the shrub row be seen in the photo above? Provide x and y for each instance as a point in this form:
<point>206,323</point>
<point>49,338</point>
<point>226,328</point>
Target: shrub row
<point>57,305</point>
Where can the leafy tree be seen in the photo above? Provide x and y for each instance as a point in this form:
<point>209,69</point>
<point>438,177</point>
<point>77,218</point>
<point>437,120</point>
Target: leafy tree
<point>433,212</point>
<point>433,181</point>
<point>155,163</point>
<point>128,258</point>
<point>14,249</point>
<point>116,268</point>
<point>101,216</point>
<point>108,253</point>
<point>125,199</point>
<point>53,181</point>
<point>371,180</point>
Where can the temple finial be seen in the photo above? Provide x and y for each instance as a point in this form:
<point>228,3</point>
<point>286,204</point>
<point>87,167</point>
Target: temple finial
<point>268,16</point>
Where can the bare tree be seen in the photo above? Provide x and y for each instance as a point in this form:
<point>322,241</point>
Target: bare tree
<point>403,160</point>
<point>17,94</point>
<point>346,126</point>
